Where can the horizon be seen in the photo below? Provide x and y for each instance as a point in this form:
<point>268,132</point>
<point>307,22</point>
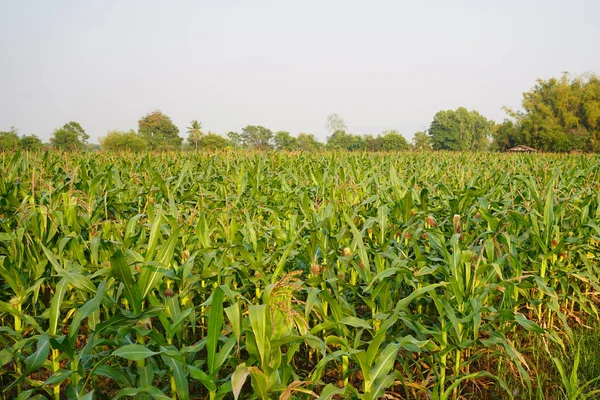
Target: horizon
<point>380,66</point>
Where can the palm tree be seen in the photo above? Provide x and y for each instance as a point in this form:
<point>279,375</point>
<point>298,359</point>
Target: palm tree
<point>194,132</point>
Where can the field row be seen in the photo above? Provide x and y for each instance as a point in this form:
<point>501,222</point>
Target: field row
<point>265,275</point>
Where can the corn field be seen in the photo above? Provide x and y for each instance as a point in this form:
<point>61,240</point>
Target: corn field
<point>293,276</point>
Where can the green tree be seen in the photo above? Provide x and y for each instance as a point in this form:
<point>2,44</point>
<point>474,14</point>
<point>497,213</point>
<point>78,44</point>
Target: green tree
<point>460,130</point>
<point>235,139</point>
<point>212,141</point>
<point>392,140</point>
<point>335,123</point>
<point>257,137</point>
<point>559,114</point>
<point>30,143</point>
<point>340,140</point>
<point>372,143</point>
<point>506,135</point>
<point>284,141</point>
<point>70,136</point>
<point>118,141</point>
<point>308,142</point>
<point>9,140</point>
<point>159,131</point>
<point>421,141</point>
<point>194,132</point>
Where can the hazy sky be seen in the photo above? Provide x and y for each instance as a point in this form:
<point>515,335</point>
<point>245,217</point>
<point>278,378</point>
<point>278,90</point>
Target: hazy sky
<point>282,64</point>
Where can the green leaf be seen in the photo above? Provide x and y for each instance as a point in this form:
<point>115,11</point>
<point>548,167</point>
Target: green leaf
<point>215,324</point>
<point>37,359</point>
<point>179,374</point>
<point>259,321</point>
<point>385,362</point>
<point>122,271</point>
<point>329,391</point>
<point>58,377</point>
<point>355,322</point>
<point>527,324</point>
<point>151,273</point>
<point>87,309</point>
<point>55,305</point>
<point>152,391</point>
<point>134,352</point>
<point>198,374</point>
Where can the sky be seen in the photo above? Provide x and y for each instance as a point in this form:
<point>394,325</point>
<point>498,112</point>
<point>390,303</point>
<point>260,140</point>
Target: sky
<point>282,64</point>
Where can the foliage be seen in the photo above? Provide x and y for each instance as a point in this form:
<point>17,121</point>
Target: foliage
<point>120,140</point>
<point>31,143</point>
<point>558,115</point>
<point>335,123</point>
<point>390,140</point>
<point>212,141</point>
<point>159,131</point>
<point>9,140</point>
<point>284,141</point>
<point>421,141</point>
<point>308,142</point>
<point>340,140</point>
<point>235,138</point>
<point>506,136</point>
<point>262,275</point>
<point>256,137</point>
<point>460,129</point>
<point>71,136</point>
<point>195,133</point>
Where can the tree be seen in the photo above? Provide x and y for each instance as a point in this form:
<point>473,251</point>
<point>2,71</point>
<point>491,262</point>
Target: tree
<point>257,137</point>
<point>421,141</point>
<point>506,135</point>
<point>212,141</point>
<point>30,143</point>
<point>194,132</point>
<point>340,140</point>
<point>558,115</point>
<point>392,140</point>
<point>70,136</point>
<point>460,130</point>
<point>308,142</point>
<point>119,141</point>
<point>159,131</point>
<point>335,123</point>
<point>9,140</point>
<point>235,139</point>
<point>284,141</point>
<point>372,143</point>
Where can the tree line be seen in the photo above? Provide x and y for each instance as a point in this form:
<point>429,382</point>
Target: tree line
<point>558,115</point>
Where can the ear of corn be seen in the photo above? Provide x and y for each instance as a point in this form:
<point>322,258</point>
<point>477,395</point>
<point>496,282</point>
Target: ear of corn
<point>256,275</point>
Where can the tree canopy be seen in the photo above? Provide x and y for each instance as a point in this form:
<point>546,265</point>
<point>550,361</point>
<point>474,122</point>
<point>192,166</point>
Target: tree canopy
<point>31,143</point>
<point>257,137</point>
<point>119,140</point>
<point>194,132</point>
<point>421,141</point>
<point>460,129</point>
<point>212,141</point>
<point>559,114</point>
<point>335,123</point>
<point>9,140</point>
<point>283,140</point>
<point>307,142</point>
<point>71,136</point>
<point>159,131</point>
<point>341,140</point>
